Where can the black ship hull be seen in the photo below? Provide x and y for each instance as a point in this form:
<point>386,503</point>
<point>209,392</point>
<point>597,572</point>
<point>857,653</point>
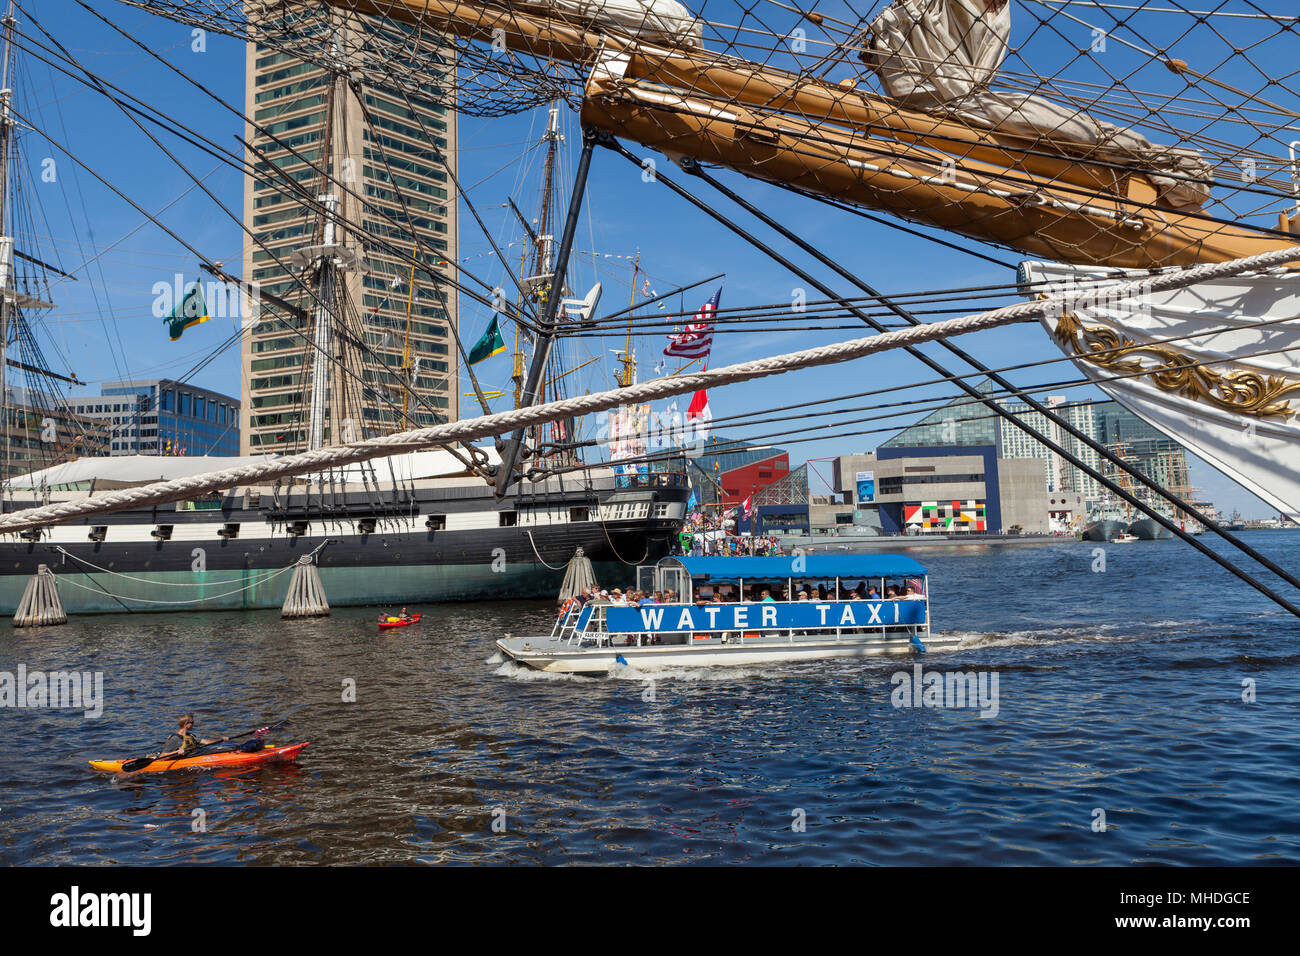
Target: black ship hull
<point>425,545</point>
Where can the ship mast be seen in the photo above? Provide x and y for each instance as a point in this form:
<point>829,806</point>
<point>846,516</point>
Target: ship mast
<point>327,262</point>
<point>627,360</point>
<point>553,269</point>
<point>7,289</point>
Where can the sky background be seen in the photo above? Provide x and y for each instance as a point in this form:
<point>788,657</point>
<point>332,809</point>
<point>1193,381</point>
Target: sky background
<point>103,328</point>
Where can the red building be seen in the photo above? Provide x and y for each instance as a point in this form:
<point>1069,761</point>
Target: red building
<point>746,480</point>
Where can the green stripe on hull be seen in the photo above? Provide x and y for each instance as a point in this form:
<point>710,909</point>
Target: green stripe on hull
<point>98,593</point>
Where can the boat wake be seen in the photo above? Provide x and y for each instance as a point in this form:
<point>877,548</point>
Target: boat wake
<point>1071,634</point>
<point>522,672</point>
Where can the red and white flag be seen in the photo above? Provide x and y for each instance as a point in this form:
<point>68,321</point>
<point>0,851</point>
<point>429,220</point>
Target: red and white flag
<point>696,340</point>
<point>699,413</point>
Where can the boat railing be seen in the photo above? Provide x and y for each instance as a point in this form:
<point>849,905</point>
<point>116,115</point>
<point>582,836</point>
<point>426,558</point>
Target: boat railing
<point>572,621</point>
<point>593,629</point>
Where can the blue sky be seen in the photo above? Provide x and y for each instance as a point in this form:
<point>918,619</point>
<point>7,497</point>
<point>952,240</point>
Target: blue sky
<point>103,328</point>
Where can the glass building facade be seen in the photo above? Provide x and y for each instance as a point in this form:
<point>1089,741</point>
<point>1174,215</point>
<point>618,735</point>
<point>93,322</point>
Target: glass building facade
<point>162,417</point>
<point>1142,446</point>
<point>964,422</point>
<point>390,152</point>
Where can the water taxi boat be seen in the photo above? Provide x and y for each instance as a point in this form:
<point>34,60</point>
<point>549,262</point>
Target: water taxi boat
<point>744,610</point>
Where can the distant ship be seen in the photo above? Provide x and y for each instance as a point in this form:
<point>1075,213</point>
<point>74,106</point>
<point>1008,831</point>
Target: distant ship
<point>1106,529</point>
<point>1148,529</point>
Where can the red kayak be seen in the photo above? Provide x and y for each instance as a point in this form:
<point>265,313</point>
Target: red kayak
<point>268,754</point>
<point>398,622</point>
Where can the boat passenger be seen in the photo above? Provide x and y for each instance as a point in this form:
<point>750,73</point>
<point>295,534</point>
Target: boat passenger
<point>803,596</point>
<point>185,741</point>
<point>891,593</point>
<point>873,594</point>
<point>766,597</point>
<point>913,594</point>
<point>854,595</point>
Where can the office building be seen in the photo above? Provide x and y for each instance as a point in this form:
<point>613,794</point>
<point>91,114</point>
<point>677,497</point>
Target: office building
<point>387,149</point>
<point>35,434</point>
<point>162,417</point>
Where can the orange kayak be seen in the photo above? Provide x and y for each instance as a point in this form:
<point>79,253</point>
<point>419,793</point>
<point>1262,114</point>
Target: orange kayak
<point>397,622</point>
<point>268,754</point>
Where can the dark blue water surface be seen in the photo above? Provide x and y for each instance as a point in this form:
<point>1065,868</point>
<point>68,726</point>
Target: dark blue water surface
<point>1120,691</point>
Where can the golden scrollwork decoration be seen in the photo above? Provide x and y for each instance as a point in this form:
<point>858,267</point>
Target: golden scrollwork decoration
<point>1243,392</point>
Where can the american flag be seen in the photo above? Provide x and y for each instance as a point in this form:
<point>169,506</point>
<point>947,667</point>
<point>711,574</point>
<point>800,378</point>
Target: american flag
<point>697,338</point>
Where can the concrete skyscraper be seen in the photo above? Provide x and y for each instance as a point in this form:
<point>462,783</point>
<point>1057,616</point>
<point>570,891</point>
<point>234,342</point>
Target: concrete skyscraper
<point>389,150</point>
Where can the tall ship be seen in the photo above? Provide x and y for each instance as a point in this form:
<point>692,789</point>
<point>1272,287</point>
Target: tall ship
<point>442,524</point>
<point>1139,158</point>
<point>1075,137</point>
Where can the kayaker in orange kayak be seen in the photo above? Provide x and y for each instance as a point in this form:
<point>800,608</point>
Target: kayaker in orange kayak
<point>184,741</point>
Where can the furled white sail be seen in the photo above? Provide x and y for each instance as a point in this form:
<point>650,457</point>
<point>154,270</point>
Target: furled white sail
<point>943,55</point>
<point>662,19</point>
<point>1219,365</point>
<point>930,52</point>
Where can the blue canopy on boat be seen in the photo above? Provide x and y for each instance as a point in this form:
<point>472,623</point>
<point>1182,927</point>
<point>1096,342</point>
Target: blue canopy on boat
<point>818,566</point>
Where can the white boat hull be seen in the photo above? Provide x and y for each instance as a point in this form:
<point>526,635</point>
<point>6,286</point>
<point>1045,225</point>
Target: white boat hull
<point>1215,393</point>
<point>562,657</point>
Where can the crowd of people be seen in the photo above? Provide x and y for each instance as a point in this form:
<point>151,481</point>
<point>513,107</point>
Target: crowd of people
<point>909,590</point>
<point>620,598</point>
<point>719,545</point>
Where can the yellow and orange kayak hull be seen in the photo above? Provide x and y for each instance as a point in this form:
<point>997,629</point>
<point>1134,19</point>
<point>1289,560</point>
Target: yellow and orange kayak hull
<point>268,754</point>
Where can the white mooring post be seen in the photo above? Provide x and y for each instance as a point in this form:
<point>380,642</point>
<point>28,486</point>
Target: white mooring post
<point>578,576</point>
<point>40,604</point>
<point>306,597</point>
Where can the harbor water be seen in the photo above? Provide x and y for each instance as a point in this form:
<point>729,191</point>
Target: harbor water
<point>1145,712</point>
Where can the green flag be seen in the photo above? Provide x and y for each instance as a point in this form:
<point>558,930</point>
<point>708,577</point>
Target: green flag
<point>191,311</point>
<point>489,345</point>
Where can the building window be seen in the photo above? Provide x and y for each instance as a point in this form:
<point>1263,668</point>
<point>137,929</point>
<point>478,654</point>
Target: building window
<point>185,403</point>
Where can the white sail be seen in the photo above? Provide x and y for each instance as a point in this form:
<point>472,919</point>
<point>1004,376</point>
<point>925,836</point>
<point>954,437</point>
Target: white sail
<point>1224,363</point>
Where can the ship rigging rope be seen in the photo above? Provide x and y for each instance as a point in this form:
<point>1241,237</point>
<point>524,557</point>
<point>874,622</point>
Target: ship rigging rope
<point>541,560</point>
<point>63,579</point>
<point>178,584</point>
<point>502,423</point>
<point>102,86</point>
<point>614,548</point>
